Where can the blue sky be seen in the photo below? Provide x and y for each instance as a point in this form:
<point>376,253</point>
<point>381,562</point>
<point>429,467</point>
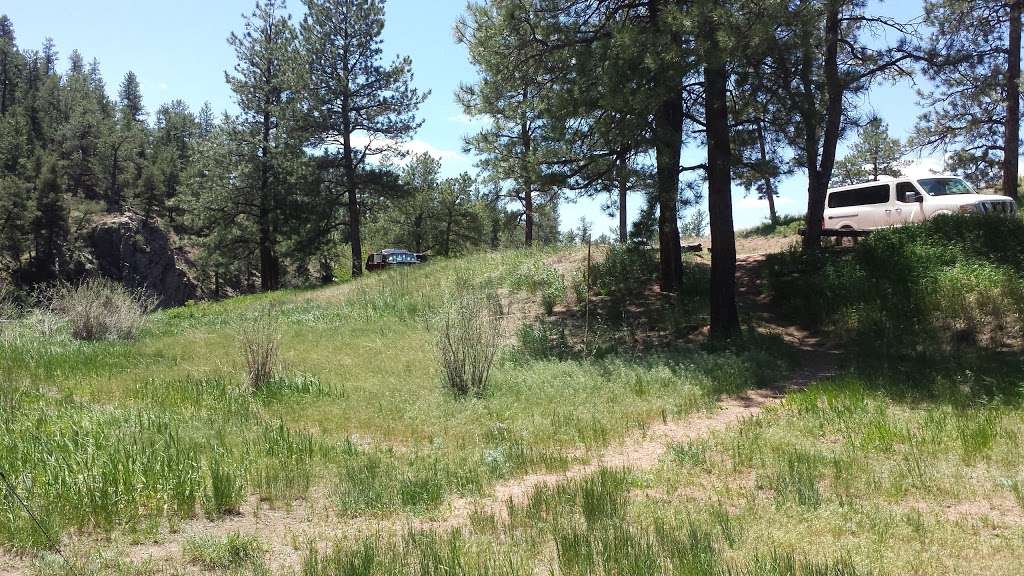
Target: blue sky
<point>179,50</point>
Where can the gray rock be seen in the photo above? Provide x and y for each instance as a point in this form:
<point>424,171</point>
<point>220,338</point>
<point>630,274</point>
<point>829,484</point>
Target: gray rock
<point>140,254</point>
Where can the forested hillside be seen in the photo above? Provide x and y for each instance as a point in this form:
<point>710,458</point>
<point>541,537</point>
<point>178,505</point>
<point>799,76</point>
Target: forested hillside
<point>271,196</point>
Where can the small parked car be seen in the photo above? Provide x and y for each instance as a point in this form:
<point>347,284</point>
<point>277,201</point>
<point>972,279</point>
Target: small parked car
<point>392,257</point>
<point>907,200</point>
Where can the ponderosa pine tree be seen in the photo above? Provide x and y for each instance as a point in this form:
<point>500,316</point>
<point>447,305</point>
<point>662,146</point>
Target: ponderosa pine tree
<point>81,134</point>
<point>10,61</point>
<point>356,103</point>
<point>458,219</point>
<point>50,227</point>
<point>873,155</point>
<point>16,219</point>
<point>972,111</point>
<point>762,156</point>
<point>266,83</point>
<point>129,98</point>
<point>512,148</point>
<point>416,212</point>
<point>715,22</point>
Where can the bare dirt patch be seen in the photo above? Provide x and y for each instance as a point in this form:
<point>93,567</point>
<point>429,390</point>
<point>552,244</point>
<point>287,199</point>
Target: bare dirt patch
<point>12,565</point>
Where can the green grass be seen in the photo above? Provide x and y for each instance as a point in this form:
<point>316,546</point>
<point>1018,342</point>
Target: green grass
<point>908,465</point>
<point>116,437</point>
<point>858,463</point>
<point>591,525</point>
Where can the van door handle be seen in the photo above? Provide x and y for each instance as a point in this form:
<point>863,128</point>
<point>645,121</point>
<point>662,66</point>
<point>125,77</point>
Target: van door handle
<point>899,209</point>
<point>888,211</point>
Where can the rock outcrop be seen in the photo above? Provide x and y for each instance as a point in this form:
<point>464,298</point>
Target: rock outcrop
<point>139,253</point>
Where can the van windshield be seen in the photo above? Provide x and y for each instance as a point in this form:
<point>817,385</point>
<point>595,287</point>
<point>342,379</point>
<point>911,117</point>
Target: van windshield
<point>945,186</point>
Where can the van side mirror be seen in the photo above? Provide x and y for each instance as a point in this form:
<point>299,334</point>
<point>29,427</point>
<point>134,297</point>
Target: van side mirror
<point>914,197</point>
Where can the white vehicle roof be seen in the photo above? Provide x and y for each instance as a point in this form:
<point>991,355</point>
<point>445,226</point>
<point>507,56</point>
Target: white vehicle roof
<point>890,180</point>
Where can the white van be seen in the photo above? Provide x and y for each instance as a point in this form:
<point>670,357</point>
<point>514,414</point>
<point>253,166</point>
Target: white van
<point>907,200</point>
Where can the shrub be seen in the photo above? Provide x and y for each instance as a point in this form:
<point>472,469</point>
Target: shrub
<point>544,340</point>
<point>538,279</point>
<point>626,271</point>
<point>467,337</point>
<point>260,345</point>
<point>99,309</point>
<point>788,225</point>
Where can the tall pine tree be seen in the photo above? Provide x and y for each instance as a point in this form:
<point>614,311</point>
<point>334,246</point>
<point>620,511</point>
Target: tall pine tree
<point>358,105</point>
<point>265,82</point>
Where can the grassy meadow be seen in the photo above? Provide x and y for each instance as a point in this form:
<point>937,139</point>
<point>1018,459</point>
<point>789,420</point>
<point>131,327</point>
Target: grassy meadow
<point>133,438</point>
<point>903,463</point>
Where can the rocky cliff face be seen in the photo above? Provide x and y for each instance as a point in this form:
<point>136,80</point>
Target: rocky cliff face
<point>140,254</point>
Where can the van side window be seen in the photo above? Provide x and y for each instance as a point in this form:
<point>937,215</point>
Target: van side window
<point>901,190</point>
<point>859,196</point>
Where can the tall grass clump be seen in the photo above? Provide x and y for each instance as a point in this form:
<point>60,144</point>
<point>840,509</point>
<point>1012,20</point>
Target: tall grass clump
<point>226,490</point>
<point>467,335</point>
<point>99,309</point>
<point>94,469</point>
<point>260,344</point>
<point>234,551</point>
<point>6,302</point>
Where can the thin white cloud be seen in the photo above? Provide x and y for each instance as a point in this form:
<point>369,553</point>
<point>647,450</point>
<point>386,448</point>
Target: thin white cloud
<point>416,147</point>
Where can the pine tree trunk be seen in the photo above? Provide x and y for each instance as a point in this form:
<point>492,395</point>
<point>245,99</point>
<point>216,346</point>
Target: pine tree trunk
<point>819,172</point>
<point>1011,145</point>
<point>724,318</point>
<point>773,215</point>
<point>268,259</point>
<point>769,188</point>
<point>668,128</point>
<point>623,190</point>
<point>350,183</point>
<point>668,143</point>
<point>527,180</point>
<point>448,236</point>
<point>114,196</point>
<point>4,83</point>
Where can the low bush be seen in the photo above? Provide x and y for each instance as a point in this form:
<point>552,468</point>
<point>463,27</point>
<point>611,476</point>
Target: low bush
<point>787,225</point>
<point>467,335</point>
<point>538,279</point>
<point>99,309</point>
<point>626,271</point>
